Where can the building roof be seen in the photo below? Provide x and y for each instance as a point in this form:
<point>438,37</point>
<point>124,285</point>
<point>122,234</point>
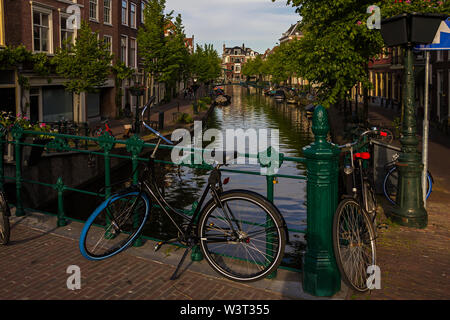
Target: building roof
<point>292,32</point>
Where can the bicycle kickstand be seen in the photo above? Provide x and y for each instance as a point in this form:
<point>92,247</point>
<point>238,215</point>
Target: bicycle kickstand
<point>174,275</point>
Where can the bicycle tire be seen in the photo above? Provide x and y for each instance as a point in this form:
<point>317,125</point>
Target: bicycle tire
<point>389,187</point>
<point>114,241</point>
<point>353,235</point>
<point>256,249</point>
<point>5,228</point>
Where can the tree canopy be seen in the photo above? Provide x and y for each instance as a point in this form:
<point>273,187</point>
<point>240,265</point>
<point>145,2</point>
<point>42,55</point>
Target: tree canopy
<point>87,64</point>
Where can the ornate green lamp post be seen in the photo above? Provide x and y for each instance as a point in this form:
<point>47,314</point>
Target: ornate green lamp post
<point>407,30</point>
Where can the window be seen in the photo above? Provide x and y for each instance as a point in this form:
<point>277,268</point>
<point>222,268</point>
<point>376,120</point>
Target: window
<point>142,12</point>
<point>132,15</point>
<point>66,34</point>
<point>440,55</point>
<point>107,11</point>
<point>124,49</point>
<point>125,12</point>
<point>41,31</point>
<point>108,41</point>
<point>93,9</point>
<point>133,51</point>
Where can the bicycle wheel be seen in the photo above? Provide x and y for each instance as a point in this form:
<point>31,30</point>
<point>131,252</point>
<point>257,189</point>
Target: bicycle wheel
<point>4,220</point>
<point>391,181</point>
<point>354,244</point>
<point>114,225</point>
<point>244,241</point>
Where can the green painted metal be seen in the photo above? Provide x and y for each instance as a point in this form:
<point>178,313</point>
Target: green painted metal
<point>409,210</point>
<point>60,189</point>
<point>17,134</point>
<point>320,273</point>
<point>321,160</point>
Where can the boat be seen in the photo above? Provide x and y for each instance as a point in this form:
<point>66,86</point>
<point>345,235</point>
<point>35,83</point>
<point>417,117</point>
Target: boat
<point>222,100</point>
<point>279,95</point>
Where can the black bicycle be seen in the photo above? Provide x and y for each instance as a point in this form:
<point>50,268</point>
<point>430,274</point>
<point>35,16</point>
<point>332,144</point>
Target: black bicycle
<point>354,220</point>
<point>241,234</point>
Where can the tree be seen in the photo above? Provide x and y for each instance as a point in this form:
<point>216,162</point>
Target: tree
<point>121,72</point>
<point>164,57</point>
<point>86,65</point>
<point>205,64</point>
<point>337,45</point>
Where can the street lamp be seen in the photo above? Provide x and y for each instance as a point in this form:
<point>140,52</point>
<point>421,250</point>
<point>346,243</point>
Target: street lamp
<point>408,30</point>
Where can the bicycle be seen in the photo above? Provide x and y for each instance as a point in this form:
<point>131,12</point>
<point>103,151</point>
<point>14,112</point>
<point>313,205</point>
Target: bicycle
<point>241,234</point>
<point>100,130</point>
<point>354,221</point>
<point>379,133</point>
<point>391,180</point>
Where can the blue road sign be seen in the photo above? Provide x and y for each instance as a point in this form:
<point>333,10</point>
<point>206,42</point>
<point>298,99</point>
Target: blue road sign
<point>441,40</point>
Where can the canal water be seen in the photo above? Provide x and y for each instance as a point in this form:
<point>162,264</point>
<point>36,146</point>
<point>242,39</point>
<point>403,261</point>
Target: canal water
<point>182,186</point>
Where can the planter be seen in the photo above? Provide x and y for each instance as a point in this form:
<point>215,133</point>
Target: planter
<point>414,28</point>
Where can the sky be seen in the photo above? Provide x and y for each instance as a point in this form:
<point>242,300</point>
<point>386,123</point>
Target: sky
<point>257,23</point>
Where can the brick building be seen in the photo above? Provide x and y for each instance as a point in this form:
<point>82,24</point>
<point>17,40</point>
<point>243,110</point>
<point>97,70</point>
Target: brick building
<point>232,61</point>
<point>42,26</point>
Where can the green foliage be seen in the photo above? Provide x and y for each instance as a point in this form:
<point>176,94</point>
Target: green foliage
<point>185,118</point>
<point>205,64</point>
<point>164,57</point>
<point>20,57</point>
<point>206,100</point>
<point>87,64</point>
<point>391,8</point>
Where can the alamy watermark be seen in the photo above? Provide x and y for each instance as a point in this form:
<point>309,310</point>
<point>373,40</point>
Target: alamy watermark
<point>374,279</point>
<point>74,20</point>
<point>374,21</point>
<point>74,280</point>
<point>261,144</point>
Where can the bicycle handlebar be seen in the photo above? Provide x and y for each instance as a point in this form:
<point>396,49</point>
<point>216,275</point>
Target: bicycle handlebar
<point>351,144</point>
<point>150,128</point>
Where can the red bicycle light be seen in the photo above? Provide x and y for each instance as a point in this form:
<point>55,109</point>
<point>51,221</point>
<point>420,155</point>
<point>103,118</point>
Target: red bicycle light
<point>362,155</point>
<point>383,134</point>
<point>226,180</point>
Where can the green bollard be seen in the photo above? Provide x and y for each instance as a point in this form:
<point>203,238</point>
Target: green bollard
<point>60,188</point>
<point>321,275</point>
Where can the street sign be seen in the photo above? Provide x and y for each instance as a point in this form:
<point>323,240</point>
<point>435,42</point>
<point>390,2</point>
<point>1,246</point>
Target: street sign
<point>441,40</point>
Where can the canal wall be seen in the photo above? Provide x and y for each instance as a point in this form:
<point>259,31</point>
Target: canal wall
<point>75,169</point>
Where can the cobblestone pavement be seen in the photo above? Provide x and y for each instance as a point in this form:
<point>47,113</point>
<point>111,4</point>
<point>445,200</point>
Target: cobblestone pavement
<point>34,264</point>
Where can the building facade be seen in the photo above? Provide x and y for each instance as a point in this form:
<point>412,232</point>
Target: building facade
<point>232,61</point>
<point>43,26</point>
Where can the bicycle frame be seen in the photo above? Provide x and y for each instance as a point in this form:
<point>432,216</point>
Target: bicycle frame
<point>151,188</point>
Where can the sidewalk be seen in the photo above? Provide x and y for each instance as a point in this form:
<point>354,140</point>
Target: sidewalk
<point>33,266</point>
<point>171,111</point>
<point>414,263</point>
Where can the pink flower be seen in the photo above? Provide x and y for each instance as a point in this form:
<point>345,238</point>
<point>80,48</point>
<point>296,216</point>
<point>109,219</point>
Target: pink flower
<point>42,125</point>
<point>359,23</point>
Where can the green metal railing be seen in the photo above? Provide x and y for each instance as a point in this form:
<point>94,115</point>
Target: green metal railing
<point>320,273</point>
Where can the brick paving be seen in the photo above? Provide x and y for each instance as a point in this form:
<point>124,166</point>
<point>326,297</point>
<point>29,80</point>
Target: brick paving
<point>34,264</point>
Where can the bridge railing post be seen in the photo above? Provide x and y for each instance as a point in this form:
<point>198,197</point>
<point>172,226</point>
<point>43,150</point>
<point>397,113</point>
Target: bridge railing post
<point>321,276</point>
<point>61,222</point>
<point>135,146</point>
<point>17,134</point>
